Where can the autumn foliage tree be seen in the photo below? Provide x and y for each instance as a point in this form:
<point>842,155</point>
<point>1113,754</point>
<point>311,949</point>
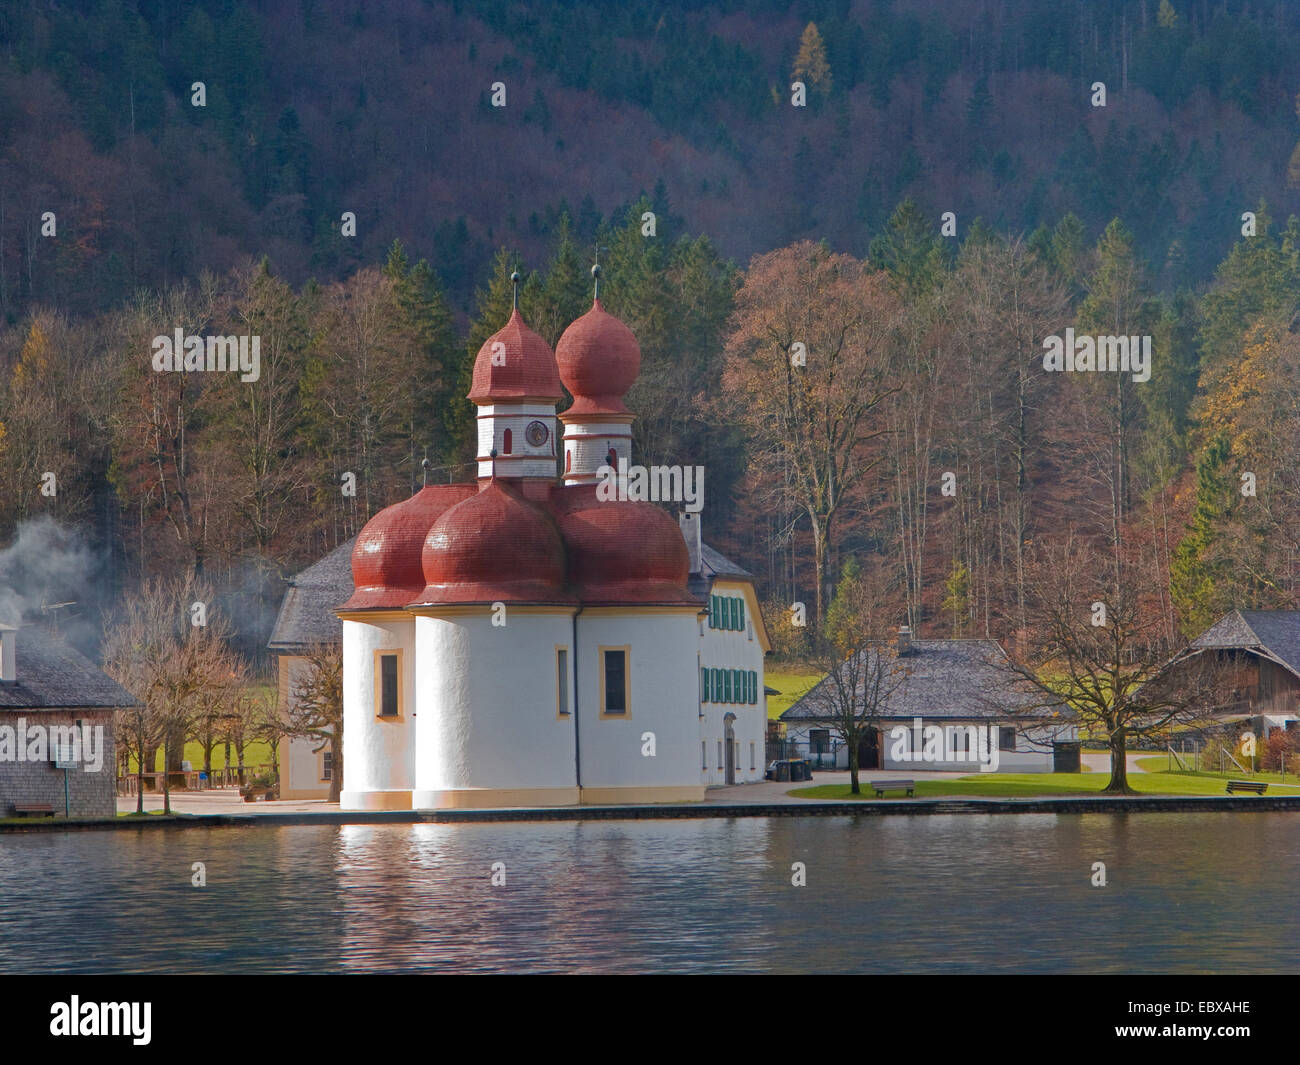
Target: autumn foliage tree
<point>810,359</point>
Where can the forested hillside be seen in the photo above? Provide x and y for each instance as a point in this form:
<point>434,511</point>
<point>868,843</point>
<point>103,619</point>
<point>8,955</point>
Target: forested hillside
<point>772,223</point>
<point>325,106</point>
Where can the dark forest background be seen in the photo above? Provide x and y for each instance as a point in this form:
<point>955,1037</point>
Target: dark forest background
<point>226,218</point>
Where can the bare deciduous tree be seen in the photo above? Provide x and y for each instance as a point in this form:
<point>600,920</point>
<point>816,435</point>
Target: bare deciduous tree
<point>315,711</point>
<point>1101,652</point>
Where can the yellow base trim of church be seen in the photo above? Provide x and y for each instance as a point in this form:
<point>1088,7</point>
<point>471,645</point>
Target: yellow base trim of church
<point>486,798</point>
<point>290,794</point>
<point>375,800</point>
<point>620,796</point>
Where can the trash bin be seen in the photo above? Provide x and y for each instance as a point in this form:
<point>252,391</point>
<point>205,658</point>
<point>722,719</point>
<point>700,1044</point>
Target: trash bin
<point>782,770</point>
<point>799,770</point>
<point>1066,757</point>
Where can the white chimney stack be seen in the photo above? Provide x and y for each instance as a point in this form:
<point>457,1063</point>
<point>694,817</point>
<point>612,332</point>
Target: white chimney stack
<point>8,657</point>
<point>690,526</point>
<point>904,640</point>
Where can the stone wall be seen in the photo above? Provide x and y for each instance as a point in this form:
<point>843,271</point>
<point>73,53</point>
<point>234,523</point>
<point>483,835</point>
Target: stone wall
<point>90,794</point>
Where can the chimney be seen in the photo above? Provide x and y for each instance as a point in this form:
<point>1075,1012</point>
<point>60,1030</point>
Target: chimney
<point>690,526</point>
<point>8,665</point>
<point>904,640</point>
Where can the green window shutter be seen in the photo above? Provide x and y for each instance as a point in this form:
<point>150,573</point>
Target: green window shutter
<point>753,686</point>
<point>704,685</point>
<point>714,608</point>
<point>726,686</point>
<point>740,615</point>
<point>731,614</point>
<point>717,685</point>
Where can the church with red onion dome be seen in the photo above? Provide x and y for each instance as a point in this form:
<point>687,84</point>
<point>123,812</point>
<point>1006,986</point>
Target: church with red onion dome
<point>523,641</point>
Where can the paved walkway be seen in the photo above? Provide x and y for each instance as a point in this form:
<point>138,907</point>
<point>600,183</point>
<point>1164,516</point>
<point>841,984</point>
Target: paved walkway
<point>227,800</point>
<point>1099,761</point>
<point>222,801</point>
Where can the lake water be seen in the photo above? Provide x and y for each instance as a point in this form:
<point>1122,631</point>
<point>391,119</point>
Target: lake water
<point>957,893</point>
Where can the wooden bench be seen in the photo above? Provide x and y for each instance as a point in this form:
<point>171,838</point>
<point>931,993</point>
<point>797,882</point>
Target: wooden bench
<point>1257,787</point>
<point>22,809</point>
<point>882,786</point>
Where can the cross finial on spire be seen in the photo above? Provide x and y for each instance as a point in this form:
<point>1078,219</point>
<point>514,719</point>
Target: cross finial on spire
<point>595,271</point>
<point>515,278</point>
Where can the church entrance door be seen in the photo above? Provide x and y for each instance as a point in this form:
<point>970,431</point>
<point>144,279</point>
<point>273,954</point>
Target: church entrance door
<point>731,749</point>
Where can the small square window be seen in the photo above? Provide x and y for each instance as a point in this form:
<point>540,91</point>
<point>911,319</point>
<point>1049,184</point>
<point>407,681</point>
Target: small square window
<point>1006,738</point>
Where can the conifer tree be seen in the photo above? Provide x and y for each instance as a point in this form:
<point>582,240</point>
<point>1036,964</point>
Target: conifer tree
<point>810,65</point>
<point>1197,572</point>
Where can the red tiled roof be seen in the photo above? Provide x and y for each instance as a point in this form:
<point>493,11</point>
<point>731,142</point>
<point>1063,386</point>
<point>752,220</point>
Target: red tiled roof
<point>524,367</point>
<point>386,570</point>
<point>599,360</point>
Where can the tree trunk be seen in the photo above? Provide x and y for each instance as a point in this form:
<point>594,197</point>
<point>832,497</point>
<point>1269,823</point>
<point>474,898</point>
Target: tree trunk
<point>167,778</point>
<point>1118,766</point>
<point>139,779</point>
<point>819,566</point>
<point>336,778</point>
<point>854,787</point>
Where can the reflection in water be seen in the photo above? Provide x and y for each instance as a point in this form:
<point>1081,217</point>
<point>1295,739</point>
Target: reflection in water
<point>1185,893</point>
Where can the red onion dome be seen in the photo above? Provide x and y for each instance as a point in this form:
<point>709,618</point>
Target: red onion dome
<point>386,571</point>
<point>494,546</point>
<point>599,360</point>
<point>622,552</point>
<point>522,368</point>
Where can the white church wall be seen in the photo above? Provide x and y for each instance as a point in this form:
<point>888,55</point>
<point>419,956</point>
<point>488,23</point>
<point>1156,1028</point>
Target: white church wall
<point>722,648</point>
<point>378,765</point>
<point>489,731</point>
<point>524,459</point>
<point>300,764</point>
<point>664,700</point>
<point>587,446</point>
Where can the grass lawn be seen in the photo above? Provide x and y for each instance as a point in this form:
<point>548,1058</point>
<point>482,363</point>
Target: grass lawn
<point>1029,785</point>
<point>792,686</point>
<point>256,753</point>
<point>1159,764</point>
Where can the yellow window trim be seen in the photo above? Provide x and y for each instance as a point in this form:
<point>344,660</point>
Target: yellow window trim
<point>627,681</point>
<point>379,684</point>
<point>563,714</point>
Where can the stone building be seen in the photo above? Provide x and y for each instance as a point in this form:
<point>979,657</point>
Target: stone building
<point>57,749</point>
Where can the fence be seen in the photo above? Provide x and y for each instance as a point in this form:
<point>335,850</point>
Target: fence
<point>822,755</point>
<point>193,779</point>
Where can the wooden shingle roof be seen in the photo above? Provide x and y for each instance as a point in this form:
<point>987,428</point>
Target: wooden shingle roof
<point>1275,633</point>
<point>959,679</point>
<point>307,615</point>
<point>51,675</point>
